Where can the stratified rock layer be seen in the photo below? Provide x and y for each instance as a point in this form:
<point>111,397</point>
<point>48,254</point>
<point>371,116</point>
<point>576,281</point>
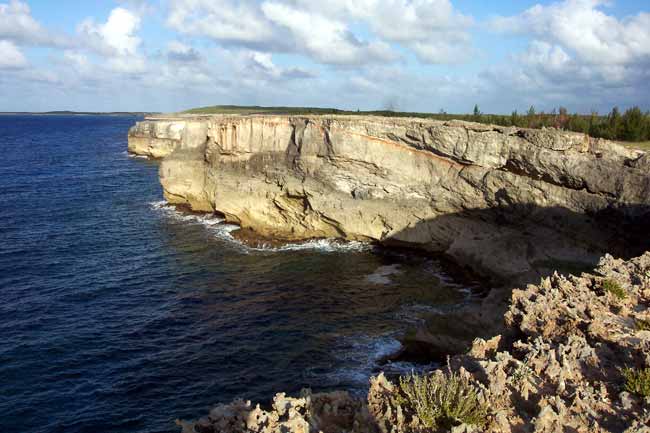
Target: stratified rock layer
<point>559,369</point>
<point>512,203</point>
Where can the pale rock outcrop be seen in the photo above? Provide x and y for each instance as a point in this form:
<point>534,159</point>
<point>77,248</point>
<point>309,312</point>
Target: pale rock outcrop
<point>160,138</point>
<point>564,371</point>
<point>321,412</point>
<point>509,202</point>
<point>559,369</point>
<point>155,139</point>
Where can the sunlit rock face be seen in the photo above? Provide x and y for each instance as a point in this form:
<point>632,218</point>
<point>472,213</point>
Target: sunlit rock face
<point>509,202</point>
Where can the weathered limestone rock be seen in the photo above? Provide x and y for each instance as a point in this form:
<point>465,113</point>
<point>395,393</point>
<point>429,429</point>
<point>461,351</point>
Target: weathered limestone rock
<point>560,370</point>
<point>564,372</point>
<point>509,202</point>
<point>160,138</point>
<point>323,412</point>
<point>155,139</point>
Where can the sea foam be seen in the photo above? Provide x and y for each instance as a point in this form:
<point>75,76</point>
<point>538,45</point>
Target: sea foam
<point>222,230</point>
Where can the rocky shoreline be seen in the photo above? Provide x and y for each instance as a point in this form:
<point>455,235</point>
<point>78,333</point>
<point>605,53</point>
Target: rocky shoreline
<point>509,203</point>
<point>512,205</point>
<point>564,364</point>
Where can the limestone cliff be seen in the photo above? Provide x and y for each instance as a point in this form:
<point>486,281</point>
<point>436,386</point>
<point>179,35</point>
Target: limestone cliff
<point>510,202</point>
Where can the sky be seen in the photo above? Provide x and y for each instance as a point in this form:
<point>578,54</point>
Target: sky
<point>407,55</point>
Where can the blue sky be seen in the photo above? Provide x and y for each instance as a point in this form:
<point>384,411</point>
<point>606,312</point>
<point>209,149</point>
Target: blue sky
<point>411,55</point>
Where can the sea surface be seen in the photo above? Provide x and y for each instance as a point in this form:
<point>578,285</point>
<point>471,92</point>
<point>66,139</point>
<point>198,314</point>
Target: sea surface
<point>119,313</point>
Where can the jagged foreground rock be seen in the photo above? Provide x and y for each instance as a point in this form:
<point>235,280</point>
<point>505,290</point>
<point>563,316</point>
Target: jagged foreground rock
<point>509,202</point>
<point>558,369</point>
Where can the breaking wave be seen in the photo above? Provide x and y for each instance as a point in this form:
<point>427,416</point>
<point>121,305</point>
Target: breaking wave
<point>361,357</point>
<point>223,231</point>
<point>133,155</point>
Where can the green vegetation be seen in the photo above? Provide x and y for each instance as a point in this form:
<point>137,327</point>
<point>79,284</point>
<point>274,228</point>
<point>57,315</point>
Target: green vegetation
<point>637,381</point>
<point>522,373</point>
<point>633,126</point>
<point>642,325</point>
<point>441,400</point>
<point>614,288</point>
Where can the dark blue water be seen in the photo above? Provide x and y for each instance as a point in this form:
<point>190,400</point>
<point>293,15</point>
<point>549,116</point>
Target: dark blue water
<point>119,314</point>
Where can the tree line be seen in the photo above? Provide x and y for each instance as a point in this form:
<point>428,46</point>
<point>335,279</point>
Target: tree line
<point>632,125</point>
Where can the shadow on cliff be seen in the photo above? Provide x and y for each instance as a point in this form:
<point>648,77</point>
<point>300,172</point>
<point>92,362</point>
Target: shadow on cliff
<point>510,246</point>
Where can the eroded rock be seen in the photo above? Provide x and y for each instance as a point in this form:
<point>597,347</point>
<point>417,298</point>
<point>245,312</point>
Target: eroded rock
<point>510,203</point>
<point>563,373</point>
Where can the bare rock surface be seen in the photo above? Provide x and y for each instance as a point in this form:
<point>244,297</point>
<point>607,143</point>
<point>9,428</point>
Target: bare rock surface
<point>510,203</point>
<point>559,369</point>
<point>564,371</point>
<point>513,204</point>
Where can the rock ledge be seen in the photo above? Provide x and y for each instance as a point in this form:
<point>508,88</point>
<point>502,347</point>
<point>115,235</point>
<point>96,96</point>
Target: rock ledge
<point>513,204</point>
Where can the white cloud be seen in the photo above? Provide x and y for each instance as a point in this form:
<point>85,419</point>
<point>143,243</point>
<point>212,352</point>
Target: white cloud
<point>279,52</point>
<point>393,87</point>
<point>583,28</point>
<point>259,66</point>
<point>119,31</point>
<point>548,57</point>
<point>16,22</point>
<point>18,25</point>
<point>433,29</point>
<point>328,32</point>
<point>325,39</point>
<point>224,20</point>
<point>10,56</point>
<point>116,40</point>
<point>578,54</point>
<point>117,36</point>
<point>127,64</point>
<point>78,61</point>
<point>180,52</point>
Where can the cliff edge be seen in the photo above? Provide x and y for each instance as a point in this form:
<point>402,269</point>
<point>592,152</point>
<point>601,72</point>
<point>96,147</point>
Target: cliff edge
<point>513,204</point>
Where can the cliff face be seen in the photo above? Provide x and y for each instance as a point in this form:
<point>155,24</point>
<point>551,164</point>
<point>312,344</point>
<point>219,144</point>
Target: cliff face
<point>507,201</point>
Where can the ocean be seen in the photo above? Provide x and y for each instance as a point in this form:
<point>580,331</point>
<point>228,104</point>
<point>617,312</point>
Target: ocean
<point>119,313</point>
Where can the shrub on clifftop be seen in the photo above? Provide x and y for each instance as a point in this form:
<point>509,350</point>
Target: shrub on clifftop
<point>443,400</point>
<point>614,288</point>
<point>637,381</point>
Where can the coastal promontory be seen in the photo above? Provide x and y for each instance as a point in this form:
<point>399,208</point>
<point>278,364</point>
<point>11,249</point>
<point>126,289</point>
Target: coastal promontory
<point>510,203</point>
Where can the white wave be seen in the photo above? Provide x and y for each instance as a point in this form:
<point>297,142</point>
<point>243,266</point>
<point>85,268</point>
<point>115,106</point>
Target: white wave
<point>322,245</point>
<point>133,155</point>
<point>224,231</point>
<point>211,222</point>
<point>360,358</point>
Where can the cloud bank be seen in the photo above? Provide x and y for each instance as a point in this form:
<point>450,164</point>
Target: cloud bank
<point>421,55</point>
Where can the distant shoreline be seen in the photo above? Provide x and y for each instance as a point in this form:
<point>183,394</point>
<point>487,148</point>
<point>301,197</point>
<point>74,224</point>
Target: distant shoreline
<point>75,113</point>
